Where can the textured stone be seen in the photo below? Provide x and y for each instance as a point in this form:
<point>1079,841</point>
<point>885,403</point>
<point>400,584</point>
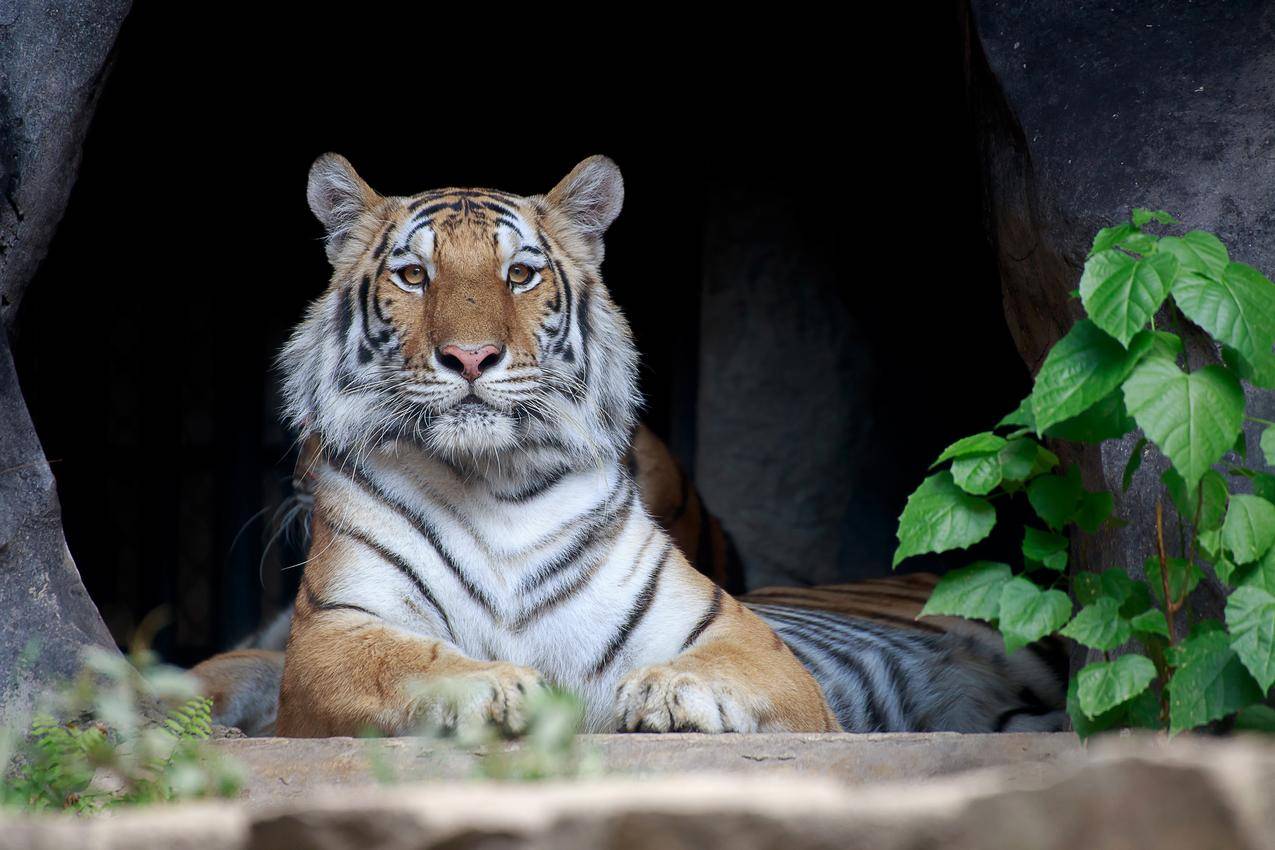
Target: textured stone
<point>1128,794</point>
<point>1086,109</point>
<point>284,769</point>
<point>53,57</point>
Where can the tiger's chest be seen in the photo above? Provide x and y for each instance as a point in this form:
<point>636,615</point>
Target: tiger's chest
<point>543,578</point>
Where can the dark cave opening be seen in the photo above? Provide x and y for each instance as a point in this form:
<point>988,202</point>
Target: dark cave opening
<point>808,279</point>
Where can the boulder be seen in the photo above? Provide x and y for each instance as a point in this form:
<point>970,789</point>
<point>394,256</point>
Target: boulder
<point>53,58</point>
<point>1083,110</point>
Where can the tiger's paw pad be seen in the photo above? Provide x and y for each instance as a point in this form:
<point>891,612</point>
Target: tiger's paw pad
<point>663,699</point>
<point>498,695</point>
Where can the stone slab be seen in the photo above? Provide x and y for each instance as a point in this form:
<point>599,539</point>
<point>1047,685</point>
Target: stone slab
<point>1128,794</point>
<point>287,769</point>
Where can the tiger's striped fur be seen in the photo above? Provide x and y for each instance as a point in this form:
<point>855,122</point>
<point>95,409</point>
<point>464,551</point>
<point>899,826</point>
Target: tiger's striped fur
<point>403,519</point>
<point>884,668</point>
<point>473,519</point>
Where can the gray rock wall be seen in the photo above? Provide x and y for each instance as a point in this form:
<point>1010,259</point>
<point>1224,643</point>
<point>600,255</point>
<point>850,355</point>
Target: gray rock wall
<point>53,57</point>
<point>1086,109</point>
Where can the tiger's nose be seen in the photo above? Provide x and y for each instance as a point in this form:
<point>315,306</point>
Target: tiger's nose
<point>469,362</point>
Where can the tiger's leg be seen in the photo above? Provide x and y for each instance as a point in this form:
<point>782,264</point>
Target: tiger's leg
<point>733,675</point>
<point>347,672</point>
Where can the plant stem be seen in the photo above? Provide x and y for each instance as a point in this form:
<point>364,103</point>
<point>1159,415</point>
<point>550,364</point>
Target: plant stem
<point>1258,419</point>
<point>1169,608</point>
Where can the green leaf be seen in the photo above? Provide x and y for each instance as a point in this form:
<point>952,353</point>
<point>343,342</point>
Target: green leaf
<point>1132,595</point>
<point>979,444</point>
<point>1094,510</point>
<point>1020,416</point>
<point>1121,293</point>
<point>1184,576</point>
<point>1258,369</point>
<point>1264,486</point>
<point>1261,574</point>
<point>940,516</point>
<point>1099,625</point>
<point>1250,616</point>
<point>1168,345</point>
<point>1249,529</point>
<point>1103,685</point>
<point>1268,445</point>
<point>1210,682</point>
<point>1018,460</point>
<point>1110,237</point>
<point>1151,622</point>
<point>1045,548</point>
<point>1142,217</point>
<point>978,475</point>
<point>1224,567</point>
<point>1140,243</point>
<point>1256,718</point>
<point>1088,726</point>
<point>1105,420</point>
<point>1241,445</point>
<point>1028,613</point>
<point>1055,498</point>
<point>1186,500</point>
<point>1197,252</point>
<point>1237,308</point>
<point>1080,370</point>
<point>973,592</point>
<point>1135,463</point>
<point>1193,419</point>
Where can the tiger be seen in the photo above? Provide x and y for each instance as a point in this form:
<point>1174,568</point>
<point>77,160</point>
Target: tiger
<point>469,388</point>
<point>473,389</point>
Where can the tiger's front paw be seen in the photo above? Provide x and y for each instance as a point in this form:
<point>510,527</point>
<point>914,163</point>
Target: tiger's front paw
<point>497,694</point>
<point>663,699</point>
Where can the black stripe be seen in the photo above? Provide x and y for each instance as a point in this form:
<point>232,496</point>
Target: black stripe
<point>426,531</point>
<point>561,595</point>
<point>535,488</point>
<point>820,638</point>
<point>394,560</point>
<point>344,316</point>
<point>851,633</point>
<point>714,608</point>
<point>640,606</point>
<point>320,605</point>
<point>600,518</point>
<point>384,243</point>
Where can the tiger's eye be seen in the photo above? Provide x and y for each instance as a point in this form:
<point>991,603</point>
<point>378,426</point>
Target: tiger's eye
<point>519,274</point>
<point>412,275</point>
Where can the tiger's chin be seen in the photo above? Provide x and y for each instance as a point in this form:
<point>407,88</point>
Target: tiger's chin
<point>472,428</point>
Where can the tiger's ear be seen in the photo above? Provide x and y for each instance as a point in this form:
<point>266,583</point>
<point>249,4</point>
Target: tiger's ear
<point>590,196</point>
<point>337,197</point>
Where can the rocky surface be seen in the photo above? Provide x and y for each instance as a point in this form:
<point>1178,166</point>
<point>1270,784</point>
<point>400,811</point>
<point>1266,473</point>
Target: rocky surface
<point>1144,793</point>
<point>285,769</point>
<point>53,57</point>
<point>1086,109</point>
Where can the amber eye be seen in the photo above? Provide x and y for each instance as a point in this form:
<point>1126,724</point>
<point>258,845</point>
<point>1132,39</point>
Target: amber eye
<point>412,276</point>
<point>520,274</point>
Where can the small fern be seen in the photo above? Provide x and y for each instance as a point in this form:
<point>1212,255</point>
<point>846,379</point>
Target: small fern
<point>118,756</point>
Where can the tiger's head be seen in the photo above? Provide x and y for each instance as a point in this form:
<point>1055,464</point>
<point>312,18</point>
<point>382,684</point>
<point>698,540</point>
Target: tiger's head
<point>471,322</point>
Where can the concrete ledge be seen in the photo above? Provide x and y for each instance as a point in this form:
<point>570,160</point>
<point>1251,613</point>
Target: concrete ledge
<point>284,768</point>
<point>1142,793</point>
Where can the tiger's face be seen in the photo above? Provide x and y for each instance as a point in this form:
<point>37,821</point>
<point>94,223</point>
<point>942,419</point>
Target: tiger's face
<point>471,322</point>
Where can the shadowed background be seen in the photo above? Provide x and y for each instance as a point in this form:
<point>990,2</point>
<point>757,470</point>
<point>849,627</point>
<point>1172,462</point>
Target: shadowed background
<point>801,255</point>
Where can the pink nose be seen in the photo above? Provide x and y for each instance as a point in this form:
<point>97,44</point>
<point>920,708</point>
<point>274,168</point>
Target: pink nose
<point>469,362</point>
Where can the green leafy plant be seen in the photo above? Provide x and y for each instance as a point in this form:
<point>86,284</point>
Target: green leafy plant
<point>1116,372</point>
<point>116,747</point>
